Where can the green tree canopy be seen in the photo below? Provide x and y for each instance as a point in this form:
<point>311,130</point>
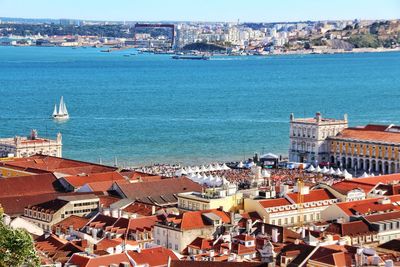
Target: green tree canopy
<point>16,247</point>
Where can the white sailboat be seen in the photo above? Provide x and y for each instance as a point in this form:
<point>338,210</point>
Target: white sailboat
<point>62,113</point>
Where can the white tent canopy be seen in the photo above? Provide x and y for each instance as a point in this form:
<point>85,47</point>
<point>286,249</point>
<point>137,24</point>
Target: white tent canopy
<point>365,175</point>
<point>347,175</point>
<point>180,172</point>
<point>318,169</point>
<point>324,170</point>
<point>331,171</point>
<point>189,170</point>
<point>269,156</point>
<point>217,167</point>
<point>224,167</point>
<point>311,168</point>
<point>210,168</point>
<point>338,172</point>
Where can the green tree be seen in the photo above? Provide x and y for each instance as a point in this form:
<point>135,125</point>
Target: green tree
<point>16,247</point>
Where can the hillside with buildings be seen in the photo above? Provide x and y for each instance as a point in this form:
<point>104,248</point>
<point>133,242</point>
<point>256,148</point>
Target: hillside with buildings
<point>316,36</point>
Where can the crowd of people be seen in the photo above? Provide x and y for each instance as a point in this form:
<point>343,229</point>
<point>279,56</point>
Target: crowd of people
<point>245,177</point>
<point>289,176</point>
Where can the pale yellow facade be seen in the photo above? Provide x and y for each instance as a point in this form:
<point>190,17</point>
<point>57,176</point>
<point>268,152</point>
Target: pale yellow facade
<point>195,201</point>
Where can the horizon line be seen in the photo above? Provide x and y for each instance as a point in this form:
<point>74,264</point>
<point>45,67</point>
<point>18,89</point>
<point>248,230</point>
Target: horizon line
<point>201,21</point>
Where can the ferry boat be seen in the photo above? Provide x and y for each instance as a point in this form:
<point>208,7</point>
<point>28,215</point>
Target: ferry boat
<point>62,113</point>
<point>194,57</point>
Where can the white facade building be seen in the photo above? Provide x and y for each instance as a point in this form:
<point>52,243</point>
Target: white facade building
<point>308,137</point>
<point>21,147</point>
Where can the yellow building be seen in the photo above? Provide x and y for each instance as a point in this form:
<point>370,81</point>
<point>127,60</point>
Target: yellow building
<point>9,172</point>
<point>372,148</point>
<point>289,210</point>
<point>212,198</point>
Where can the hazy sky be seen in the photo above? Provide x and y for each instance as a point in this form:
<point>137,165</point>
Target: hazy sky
<point>202,10</point>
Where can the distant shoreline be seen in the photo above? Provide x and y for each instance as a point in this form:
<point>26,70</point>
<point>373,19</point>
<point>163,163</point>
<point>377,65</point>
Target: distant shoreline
<point>314,51</point>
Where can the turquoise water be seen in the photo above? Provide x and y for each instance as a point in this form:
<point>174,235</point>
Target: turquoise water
<point>150,108</point>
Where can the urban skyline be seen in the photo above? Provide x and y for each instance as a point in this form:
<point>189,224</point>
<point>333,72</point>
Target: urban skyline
<point>223,10</point>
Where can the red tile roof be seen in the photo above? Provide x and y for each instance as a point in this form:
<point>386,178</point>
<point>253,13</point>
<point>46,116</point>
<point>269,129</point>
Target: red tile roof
<point>269,203</point>
<point>195,219</point>
<point>75,221</point>
<point>79,180</point>
<point>346,186</point>
<point>49,244</point>
<point>83,260</point>
<point>103,186</point>
<point>201,243</point>
<point>349,228</point>
<point>106,201</point>
<point>61,165</point>
<point>314,195</point>
<point>28,185</point>
<point>370,205</point>
<point>139,208</point>
<point>383,217</point>
<point>157,256</point>
<point>374,133</point>
<point>337,259</point>
<point>159,188</point>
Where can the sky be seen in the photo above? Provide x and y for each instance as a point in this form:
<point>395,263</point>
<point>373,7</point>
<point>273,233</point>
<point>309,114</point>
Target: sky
<point>202,10</point>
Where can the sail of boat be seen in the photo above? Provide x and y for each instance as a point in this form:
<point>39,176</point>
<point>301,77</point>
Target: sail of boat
<point>62,113</point>
<point>61,107</point>
<point>65,109</point>
<point>55,110</point>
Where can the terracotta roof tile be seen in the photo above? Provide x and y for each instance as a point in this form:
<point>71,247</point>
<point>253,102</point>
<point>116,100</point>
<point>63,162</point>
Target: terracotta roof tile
<point>314,195</point>
<point>201,243</point>
<point>382,217</point>
<point>79,180</point>
<point>268,203</point>
<point>375,133</point>
<point>62,165</point>
<point>28,185</point>
<point>83,260</point>
<point>371,204</point>
<point>158,188</point>
<point>75,221</point>
<point>157,256</point>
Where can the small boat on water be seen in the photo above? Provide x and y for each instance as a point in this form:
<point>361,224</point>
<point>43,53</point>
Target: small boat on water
<point>193,57</point>
<point>62,113</point>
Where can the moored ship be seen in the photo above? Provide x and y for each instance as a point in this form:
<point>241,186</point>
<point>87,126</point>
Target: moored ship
<point>193,57</point>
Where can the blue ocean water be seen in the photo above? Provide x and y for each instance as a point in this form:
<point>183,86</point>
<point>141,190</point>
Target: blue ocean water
<point>150,108</point>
